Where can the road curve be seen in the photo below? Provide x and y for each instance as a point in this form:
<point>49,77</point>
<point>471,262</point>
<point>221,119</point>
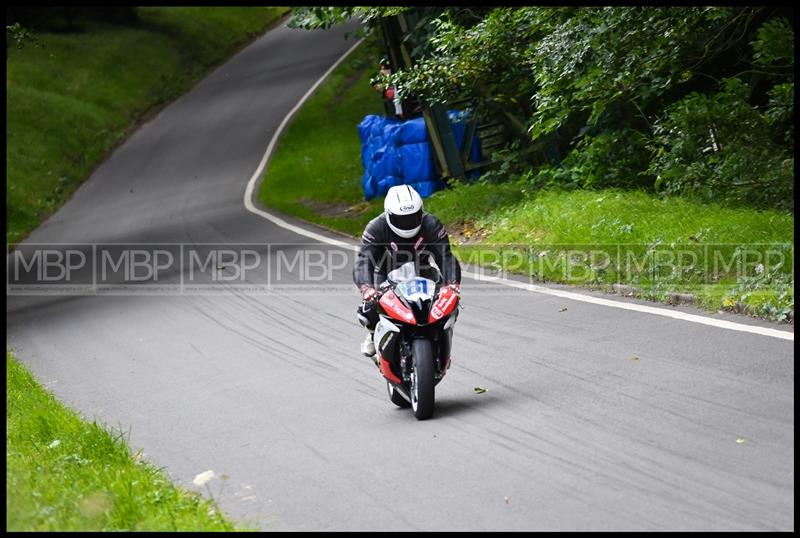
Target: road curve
<point>268,389</point>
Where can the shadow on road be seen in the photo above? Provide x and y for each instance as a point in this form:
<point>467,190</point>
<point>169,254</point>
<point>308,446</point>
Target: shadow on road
<point>461,406</point>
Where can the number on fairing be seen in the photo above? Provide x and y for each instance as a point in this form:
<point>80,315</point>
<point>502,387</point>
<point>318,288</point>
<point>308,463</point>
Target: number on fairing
<point>418,285</point>
<point>416,288</point>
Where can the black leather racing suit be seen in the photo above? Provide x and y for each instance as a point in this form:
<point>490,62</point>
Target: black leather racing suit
<point>383,251</point>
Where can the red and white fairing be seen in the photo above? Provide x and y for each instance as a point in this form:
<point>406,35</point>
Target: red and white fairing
<point>444,304</point>
<point>396,309</point>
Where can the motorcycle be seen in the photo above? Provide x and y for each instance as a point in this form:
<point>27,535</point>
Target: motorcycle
<point>413,337</point>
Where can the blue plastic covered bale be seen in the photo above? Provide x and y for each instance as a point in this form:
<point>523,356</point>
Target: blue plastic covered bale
<point>373,155</point>
<point>386,183</point>
<point>378,127</point>
<point>364,128</point>
<point>410,132</point>
<point>370,130</point>
<point>370,143</point>
<point>388,132</point>
<point>386,162</point>
<point>368,185</point>
<point>417,162</point>
<point>369,152</point>
<point>396,152</point>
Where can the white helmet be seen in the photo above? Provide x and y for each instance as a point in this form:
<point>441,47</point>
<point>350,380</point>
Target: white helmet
<point>403,207</point>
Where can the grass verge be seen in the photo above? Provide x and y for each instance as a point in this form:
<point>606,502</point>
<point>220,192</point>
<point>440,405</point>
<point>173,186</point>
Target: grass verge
<point>66,474</point>
<point>73,98</point>
<point>662,248</point>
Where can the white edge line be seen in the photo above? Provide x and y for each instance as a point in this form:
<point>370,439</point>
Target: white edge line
<point>248,203</point>
<point>721,323</point>
<point>248,193</point>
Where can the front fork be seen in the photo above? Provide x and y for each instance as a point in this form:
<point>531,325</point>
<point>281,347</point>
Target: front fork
<point>442,344</point>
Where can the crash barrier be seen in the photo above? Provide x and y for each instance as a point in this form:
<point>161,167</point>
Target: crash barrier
<point>396,152</point>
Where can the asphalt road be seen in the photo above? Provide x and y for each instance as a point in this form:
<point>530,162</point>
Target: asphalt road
<point>269,389</point>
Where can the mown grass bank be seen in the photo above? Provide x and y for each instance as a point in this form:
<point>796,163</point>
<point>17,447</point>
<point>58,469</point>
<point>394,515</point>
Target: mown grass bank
<point>74,97</point>
<point>718,257</point>
<point>66,474</point>
<point>663,249</point>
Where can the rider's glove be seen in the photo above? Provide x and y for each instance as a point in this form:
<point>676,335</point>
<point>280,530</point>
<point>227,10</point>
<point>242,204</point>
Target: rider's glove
<point>368,293</point>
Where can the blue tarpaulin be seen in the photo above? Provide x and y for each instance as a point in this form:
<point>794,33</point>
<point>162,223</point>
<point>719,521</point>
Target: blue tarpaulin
<point>396,152</point>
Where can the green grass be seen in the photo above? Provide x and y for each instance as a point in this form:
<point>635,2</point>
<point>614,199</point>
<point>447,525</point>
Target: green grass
<point>661,246</point>
<point>315,173</point>
<point>70,100</point>
<point>554,236</point>
<point>66,474</point>
<point>605,216</point>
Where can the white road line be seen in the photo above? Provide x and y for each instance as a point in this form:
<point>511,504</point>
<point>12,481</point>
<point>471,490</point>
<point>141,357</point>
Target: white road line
<point>248,203</point>
<point>248,193</point>
<point>721,323</point>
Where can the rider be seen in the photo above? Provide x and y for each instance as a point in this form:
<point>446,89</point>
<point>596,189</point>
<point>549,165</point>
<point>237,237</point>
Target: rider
<point>402,233</point>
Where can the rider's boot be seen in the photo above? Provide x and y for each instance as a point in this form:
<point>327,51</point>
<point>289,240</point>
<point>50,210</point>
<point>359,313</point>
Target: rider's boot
<point>368,348</point>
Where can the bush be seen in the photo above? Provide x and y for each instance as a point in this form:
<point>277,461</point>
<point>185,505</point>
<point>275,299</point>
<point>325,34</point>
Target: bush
<point>719,147</point>
<point>612,158</point>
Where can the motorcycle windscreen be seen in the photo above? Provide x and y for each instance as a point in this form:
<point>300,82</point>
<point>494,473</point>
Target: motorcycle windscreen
<point>416,289</point>
<point>407,271</point>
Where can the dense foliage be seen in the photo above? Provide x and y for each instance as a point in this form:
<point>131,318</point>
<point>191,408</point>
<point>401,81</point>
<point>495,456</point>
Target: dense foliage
<point>690,100</point>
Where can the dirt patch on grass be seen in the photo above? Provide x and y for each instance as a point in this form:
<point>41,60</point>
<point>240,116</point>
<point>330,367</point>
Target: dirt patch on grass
<point>466,233</point>
<point>347,83</point>
<point>335,209</point>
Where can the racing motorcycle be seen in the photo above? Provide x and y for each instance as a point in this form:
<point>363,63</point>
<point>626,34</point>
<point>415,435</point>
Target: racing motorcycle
<point>413,337</point>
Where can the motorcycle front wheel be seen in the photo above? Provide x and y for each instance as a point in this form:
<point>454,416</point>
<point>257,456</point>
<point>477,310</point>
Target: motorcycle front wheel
<point>422,379</point>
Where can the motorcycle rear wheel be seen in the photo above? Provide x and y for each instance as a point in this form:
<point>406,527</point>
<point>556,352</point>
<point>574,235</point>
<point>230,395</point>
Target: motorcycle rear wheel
<point>422,379</point>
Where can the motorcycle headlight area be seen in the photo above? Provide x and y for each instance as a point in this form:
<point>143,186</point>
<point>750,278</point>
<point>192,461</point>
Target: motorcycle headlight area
<point>416,288</point>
